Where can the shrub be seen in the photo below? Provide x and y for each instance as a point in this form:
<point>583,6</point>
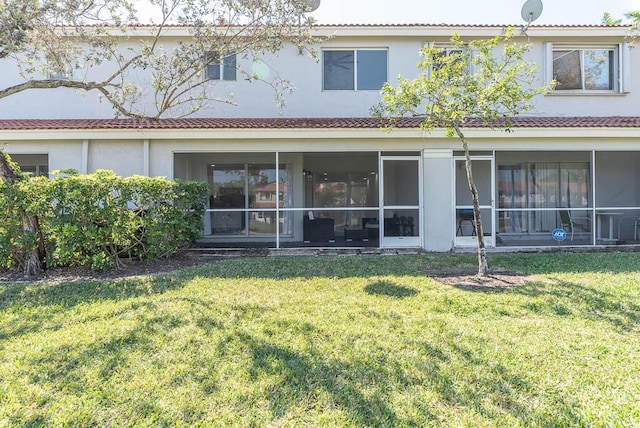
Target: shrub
<point>94,220</point>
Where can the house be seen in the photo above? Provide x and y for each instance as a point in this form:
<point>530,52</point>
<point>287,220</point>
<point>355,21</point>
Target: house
<point>321,172</point>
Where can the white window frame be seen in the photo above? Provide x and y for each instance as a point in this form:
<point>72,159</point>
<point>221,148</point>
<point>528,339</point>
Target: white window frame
<point>220,65</point>
<point>58,75</point>
<point>355,66</point>
<point>36,170</point>
<point>621,81</point>
<point>448,48</point>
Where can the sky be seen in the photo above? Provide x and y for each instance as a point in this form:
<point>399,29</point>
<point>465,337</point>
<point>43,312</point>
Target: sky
<point>466,11</point>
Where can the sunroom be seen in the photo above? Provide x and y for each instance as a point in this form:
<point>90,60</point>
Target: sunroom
<point>594,196</point>
<point>311,199</point>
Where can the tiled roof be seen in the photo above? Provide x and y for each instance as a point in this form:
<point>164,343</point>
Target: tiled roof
<point>425,25</point>
<point>303,123</point>
<point>447,25</point>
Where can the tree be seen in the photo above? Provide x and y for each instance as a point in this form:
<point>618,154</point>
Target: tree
<point>632,19</point>
<point>608,20</point>
<point>482,80</point>
<point>96,45</point>
<point>11,177</point>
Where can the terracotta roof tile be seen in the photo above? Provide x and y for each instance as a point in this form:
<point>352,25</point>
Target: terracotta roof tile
<point>419,24</point>
<point>302,123</point>
<point>447,25</point>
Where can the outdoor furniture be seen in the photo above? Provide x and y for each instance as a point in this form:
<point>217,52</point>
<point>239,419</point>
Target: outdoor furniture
<point>406,226</point>
<point>609,216</point>
<point>392,226</point>
<point>318,229</point>
<point>465,215</point>
<point>371,225</point>
<point>356,235</point>
<point>574,223</point>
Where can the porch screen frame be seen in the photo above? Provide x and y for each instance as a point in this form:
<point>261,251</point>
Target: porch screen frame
<point>480,157</point>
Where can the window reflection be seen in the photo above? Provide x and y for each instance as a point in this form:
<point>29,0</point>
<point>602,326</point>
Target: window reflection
<point>256,189</point>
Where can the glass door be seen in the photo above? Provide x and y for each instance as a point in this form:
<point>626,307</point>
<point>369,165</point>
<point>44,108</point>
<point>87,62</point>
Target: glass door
<point>400,195</point>
<point>483,175</point>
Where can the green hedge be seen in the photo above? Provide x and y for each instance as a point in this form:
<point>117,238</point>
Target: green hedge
<point>97,219</point>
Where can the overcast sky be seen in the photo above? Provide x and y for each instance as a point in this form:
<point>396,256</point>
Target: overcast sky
<point>466,11</point>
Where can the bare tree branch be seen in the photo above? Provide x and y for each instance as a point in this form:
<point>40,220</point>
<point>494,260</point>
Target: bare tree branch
<point>61,38</point>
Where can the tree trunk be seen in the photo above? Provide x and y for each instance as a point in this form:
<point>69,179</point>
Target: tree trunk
<point>33,263</point>
<point>477,219</point>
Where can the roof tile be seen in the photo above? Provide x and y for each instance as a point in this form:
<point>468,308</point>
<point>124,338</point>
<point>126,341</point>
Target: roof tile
<point>304,123</point>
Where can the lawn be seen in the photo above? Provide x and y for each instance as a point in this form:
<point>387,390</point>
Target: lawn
<point>328,341</point>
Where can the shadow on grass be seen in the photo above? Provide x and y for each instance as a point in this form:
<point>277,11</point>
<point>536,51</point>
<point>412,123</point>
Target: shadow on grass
<point>569,262</point>
<point>284,381</point>
<point>497,393</point>
<point>565,298</point>
<point>364,266</point>
<point>38,302</point>
<point>68,294</point>
<point>388,288</point>
<point>361,385</point>
<point>302,376</point>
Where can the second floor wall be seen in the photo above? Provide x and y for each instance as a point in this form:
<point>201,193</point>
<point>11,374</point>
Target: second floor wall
<point>593,63</point>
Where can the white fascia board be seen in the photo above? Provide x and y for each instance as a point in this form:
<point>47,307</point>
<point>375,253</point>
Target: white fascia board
<point>408,31</point>
<point>404,30</point>
<point>469,31</point>
<point>548,33</point>
<point>516,134</point>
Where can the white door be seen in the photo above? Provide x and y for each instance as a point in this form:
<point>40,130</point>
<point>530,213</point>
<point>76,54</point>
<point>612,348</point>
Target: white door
<point>400,195</point>
<point>484,178</point>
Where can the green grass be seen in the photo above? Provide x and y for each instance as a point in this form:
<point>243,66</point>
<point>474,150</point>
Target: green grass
<point>328,341</point>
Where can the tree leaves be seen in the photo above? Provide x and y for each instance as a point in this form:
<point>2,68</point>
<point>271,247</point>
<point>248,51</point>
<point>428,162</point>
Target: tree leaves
<point>488,80</point>
<point>96,45</point>
<point>95,220</point>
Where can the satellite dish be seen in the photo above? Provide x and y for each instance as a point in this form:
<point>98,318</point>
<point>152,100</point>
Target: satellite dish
<point>312,4</point>
<point>531,10</point>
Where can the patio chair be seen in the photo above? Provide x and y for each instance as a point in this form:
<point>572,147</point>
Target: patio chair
<point>465,215</point>
<point>573,223</point>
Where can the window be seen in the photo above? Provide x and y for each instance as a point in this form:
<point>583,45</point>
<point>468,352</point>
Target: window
<point>220,68</point>
<point>36,165</point>
<point>541,186</point>
<point>244,198</point>
<point>447,49</point>
<point>57,75</point>
<point>36,170</point>
<point>589,68</point>
<point>359,70</point>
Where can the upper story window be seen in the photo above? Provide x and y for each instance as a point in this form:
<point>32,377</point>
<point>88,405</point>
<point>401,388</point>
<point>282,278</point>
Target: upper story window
<point>588,69</point>
<point>447,49</point>
<point>359,70</point>
<point>220,68</point>
<point>58,75</point>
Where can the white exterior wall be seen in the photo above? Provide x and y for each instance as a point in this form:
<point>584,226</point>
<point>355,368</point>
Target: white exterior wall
<point>125,157</point>
<point>61,154</point>
<point>157,152</point>
<point>255,99</point>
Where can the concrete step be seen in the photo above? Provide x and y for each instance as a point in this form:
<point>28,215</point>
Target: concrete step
<point>213,253</point>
